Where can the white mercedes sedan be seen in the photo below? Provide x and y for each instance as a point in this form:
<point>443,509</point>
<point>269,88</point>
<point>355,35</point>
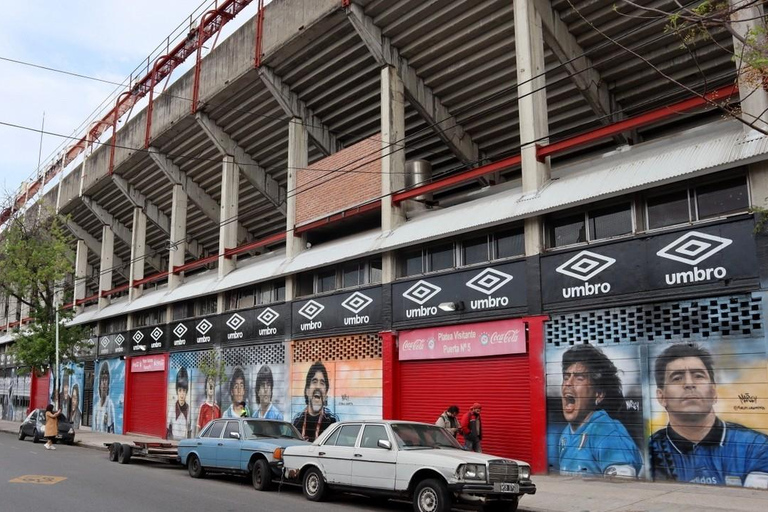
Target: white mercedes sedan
<point>416,461</point>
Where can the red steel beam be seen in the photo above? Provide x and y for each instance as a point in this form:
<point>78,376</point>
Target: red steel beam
<point>196,264</point>
<point>635,122</point>
<point>150,279</point>
<point>455,179</point>
<point>113,291</point>
<point>259,34</point>
<point>92,298</point>
<point>349,212</point>
<point>137,90</point>
<point>228,253</point>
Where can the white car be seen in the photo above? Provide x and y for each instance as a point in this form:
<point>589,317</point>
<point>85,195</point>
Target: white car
<point>416,461</point>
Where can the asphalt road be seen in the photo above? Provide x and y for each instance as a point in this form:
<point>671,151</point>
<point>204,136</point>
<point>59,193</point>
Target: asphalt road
<point>91,483</point>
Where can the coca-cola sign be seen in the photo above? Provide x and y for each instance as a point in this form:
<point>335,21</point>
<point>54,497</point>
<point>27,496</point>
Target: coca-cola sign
<point>467,340</point>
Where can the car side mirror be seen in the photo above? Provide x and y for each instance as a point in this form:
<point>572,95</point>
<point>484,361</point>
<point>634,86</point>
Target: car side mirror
<point>383,443</point>
<point>234,435</point>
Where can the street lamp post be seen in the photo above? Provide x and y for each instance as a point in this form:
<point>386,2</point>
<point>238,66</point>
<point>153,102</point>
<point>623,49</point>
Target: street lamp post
<point>56,378</point>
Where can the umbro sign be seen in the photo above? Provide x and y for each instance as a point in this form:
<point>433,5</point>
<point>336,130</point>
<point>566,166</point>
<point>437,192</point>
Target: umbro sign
<point>340,312</point>
<point>501,286</point>
<point>715,256</point>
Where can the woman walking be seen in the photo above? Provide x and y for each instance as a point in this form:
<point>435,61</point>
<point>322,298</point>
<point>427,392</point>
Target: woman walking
<point>51,426</point>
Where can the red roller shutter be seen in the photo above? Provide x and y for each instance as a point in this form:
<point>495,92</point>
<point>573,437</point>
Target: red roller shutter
<point>500,384</point>
<point>146,403</point>
<point>40,397</point>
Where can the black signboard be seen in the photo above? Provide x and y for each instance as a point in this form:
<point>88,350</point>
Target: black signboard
<point>712,255</point>
<point>113,344</point>
<point>148,339</point>
<point>196,332</point>
<point>357,311</point>
<point>263,323</point>
<point>470,291</point>
<point>87,348</point>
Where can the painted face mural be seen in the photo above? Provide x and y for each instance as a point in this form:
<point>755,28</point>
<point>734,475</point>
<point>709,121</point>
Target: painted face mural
<point>705,411</point>
<point>108,400</point>
<point>238,388</point>
<point>328,391</point>
<point>588,430</point>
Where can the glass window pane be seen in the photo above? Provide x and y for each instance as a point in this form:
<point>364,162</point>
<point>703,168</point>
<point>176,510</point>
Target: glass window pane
<point>306,284</point>
<point>375,271</point>
<point>332,438</point>
<point>510,243</point>
<point>280,292</point>
<point>567,230</point>
<point>265,294</point>
<point>372,435</point>
<point>668,209</point>
<point>722,198</point>
<point>348,435</point>
<point>412,263</point>
<point>352,275</point>
<point>326,281</point>
<point>611,221</point>
<point>475,250</point>
<point>440,257</point>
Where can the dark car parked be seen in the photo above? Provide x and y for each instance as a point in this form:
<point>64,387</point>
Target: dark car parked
<point>34,427</point>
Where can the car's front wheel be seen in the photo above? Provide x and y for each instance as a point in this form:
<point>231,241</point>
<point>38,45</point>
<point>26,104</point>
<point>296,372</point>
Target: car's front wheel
<point>194,467</point>
<point>431,495</point>
<point>36,436</point>
<point>22,435</point>
<point>314,485</point>
<point>261,475</point>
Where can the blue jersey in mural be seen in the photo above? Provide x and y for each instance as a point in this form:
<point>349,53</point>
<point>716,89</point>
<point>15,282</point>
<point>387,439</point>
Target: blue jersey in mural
<point>601,445</point>
<point>728,455</point>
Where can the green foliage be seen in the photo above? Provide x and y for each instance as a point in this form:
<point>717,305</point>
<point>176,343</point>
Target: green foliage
<point>761,217</point>
<point>33,263</point>
<point>212,365</point>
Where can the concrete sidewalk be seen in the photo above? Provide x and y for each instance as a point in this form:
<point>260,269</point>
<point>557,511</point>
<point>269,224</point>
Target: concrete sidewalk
<point>563,494</point>
<point>86,438</point>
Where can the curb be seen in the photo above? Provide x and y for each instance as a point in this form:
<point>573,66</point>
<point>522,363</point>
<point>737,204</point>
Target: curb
<point>78,443</point>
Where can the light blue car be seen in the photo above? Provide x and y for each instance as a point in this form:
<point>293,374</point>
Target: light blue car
<point>240,446</point>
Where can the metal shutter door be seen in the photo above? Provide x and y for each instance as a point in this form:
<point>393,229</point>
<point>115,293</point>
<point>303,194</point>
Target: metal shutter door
<point>41,398</point>
<point>500,384</point>
<point>148,403</point>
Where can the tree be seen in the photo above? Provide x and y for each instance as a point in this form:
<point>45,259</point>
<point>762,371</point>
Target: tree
<point>33,267</point>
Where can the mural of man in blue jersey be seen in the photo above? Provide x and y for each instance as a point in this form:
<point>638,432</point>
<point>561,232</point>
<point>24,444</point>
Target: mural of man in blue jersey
<point>108,397</point>
<point>696,445</point>
<point>593,442</point>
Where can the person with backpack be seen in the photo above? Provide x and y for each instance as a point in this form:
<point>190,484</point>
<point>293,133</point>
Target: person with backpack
<point>472,428</point>
<point>449,420</point>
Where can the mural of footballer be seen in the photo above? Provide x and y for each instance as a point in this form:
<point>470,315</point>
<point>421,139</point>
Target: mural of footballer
<point>696,446</point>
<point>315,417</point>
<point>593,442</point>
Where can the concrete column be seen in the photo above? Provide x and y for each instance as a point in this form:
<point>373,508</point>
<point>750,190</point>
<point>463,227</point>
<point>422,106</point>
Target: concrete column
<point>178,244</point>
<point>230,191</point>
<point>392,147</point>
<point>754,98</point>
<point>221,302</point>
<point>81,273</point>
<point>106,262</point>
<point>532,108</point>
<point>138,252</point>
<point>388,267</point>
<point>758,184</point>
<point>298,158</point>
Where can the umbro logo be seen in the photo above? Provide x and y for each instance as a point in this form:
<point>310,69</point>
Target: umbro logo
<point>489,281</point>
<point>585,265</point>
<point>119,339</point>
<point>180,330</point>
<point>311,309</point>
<point>235,322</point>
<point>204,326</point>
<point>421,292</point>
<point>268,316</point>
<point>156,333</point>
<point>357,302</point>
<point>138,336</point>
<point>694,247</point>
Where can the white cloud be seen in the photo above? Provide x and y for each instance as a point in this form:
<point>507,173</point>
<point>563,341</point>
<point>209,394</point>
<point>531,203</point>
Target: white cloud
<point>107,40</point>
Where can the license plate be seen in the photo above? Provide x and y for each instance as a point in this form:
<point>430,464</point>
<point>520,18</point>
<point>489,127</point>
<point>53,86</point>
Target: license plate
<point>506,487</point>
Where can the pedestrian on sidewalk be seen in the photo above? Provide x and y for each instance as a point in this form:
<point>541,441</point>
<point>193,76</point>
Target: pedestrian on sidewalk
<point>449,421</point>
<point>472,428</point>
<point>51,426</point>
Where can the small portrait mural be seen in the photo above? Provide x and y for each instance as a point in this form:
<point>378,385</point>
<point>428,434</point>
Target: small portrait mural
<point>324,392</point>
<point>71,382</point>
<point>595,422</point>
<point>108,396</point>
<point>179,415</point>
<point>709,421</point>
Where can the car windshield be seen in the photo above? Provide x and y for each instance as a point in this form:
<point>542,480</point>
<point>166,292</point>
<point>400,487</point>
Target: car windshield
<point>411,436</point>
<point>274,429</point>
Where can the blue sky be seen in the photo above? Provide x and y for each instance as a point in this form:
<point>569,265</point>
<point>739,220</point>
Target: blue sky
<point>107,40</point>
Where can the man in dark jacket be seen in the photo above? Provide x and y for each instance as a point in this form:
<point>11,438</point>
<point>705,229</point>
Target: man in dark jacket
<point>472,428</point>
<point>449,421</point>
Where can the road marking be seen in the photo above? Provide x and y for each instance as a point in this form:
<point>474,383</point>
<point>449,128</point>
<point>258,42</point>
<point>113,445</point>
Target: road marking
<point>38,479</point>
